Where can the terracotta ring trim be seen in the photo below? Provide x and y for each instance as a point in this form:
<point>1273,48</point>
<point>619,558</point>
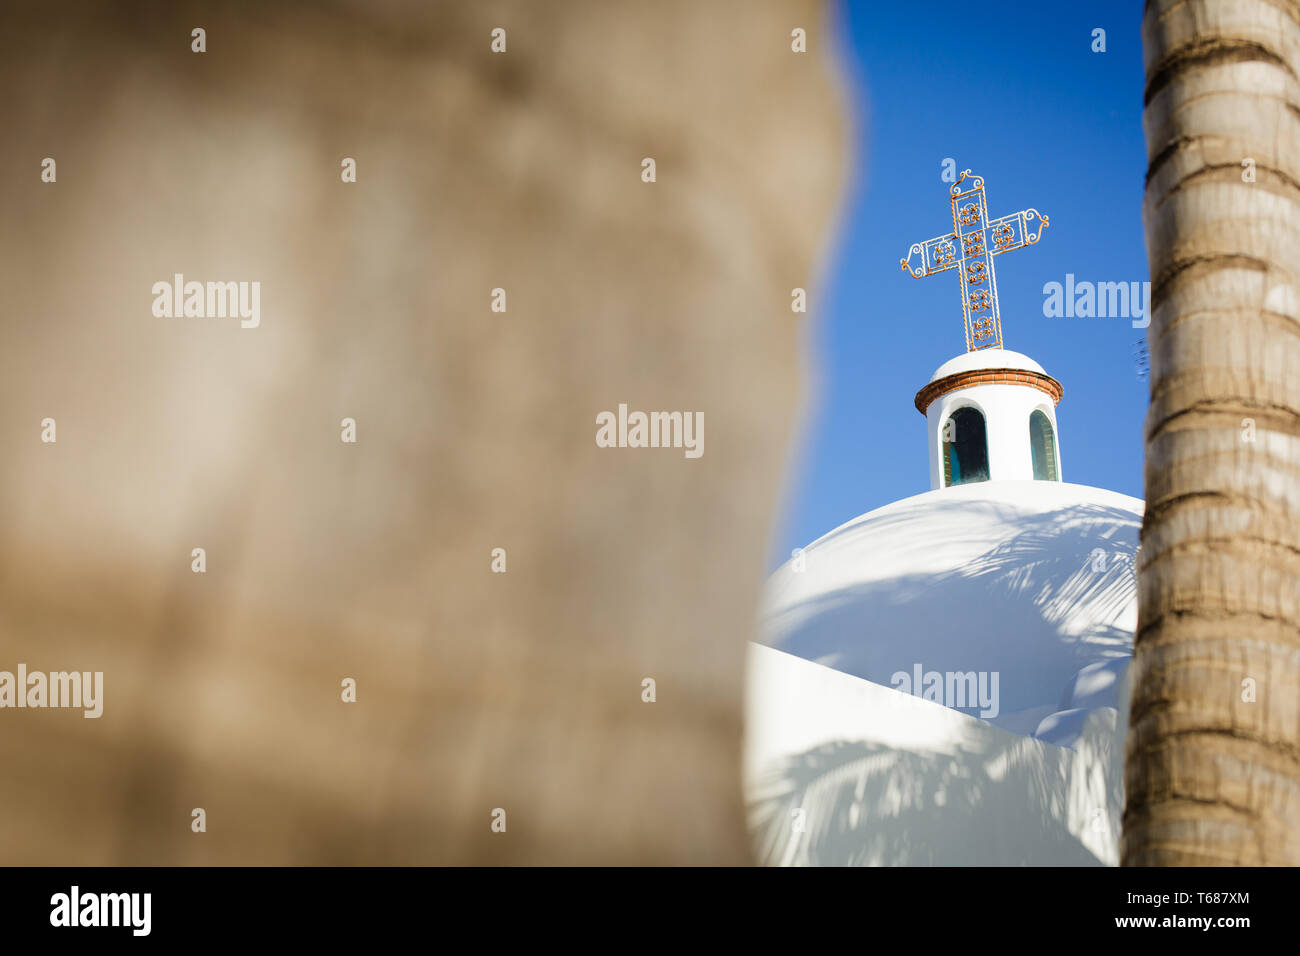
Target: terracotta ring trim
<point>988,376</point>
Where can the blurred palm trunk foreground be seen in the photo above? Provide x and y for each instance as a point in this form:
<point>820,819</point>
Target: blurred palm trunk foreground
<point>475,429</point>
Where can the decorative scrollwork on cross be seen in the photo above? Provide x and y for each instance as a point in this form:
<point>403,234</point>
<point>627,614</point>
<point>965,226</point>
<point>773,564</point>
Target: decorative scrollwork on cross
<point>981,240</point>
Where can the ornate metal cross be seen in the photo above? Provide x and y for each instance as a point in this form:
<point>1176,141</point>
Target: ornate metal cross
<point>970,249</point>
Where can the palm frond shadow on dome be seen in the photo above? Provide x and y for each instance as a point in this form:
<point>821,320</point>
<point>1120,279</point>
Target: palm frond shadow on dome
<point>1035,607</point>
<point>1074,556</point>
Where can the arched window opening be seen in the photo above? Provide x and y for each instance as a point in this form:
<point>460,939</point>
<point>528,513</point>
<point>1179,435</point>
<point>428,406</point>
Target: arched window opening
<point>965,448</point>
<point>1042,443</point>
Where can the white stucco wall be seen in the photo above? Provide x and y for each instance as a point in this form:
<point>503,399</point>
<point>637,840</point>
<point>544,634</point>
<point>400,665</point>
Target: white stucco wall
<point>840,771</point>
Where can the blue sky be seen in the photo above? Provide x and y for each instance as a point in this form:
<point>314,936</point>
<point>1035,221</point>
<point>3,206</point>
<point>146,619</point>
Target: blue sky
<point>1015,93</point>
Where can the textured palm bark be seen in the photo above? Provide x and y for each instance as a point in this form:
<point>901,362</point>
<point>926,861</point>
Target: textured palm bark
<point>476,429</point>
<point>1213,777</point>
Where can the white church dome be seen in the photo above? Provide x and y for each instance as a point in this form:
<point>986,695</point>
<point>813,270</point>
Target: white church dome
<point>943,681</point>
<point>1030,580</point>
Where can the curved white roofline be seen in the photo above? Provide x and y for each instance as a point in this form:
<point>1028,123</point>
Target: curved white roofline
<point>986,358</point>
<point>1011,492</point>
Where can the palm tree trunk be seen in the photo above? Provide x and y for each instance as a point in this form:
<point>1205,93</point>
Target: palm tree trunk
<point>476,691</point>
<point>1213,759</point>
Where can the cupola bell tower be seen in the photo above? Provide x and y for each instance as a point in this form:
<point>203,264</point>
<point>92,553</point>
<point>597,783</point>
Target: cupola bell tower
<point>991,416</point>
